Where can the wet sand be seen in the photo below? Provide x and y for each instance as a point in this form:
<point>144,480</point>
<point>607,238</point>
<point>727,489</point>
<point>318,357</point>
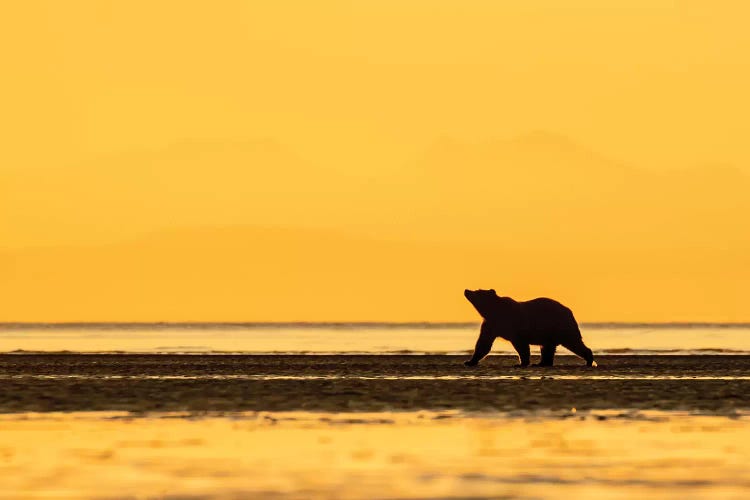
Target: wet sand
<point>232,383</point>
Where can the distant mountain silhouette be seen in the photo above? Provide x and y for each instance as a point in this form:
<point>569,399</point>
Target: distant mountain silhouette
<point>536,215</point>
<point>522,192</point>
<point>543,185</point>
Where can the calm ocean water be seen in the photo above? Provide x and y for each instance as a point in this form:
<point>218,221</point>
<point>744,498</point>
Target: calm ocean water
<point>349,338</point>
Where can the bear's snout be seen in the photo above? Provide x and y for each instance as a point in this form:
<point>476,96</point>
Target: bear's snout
<point>467,292</point>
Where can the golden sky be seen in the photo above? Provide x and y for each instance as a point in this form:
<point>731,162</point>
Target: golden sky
<point>339,160</point>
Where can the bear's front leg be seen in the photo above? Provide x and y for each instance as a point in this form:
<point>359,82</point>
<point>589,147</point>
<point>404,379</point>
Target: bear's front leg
<point>483,347</point>
<point>524,353</point>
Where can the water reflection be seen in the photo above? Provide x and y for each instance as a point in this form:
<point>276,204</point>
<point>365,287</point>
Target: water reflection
<point>388,455</point>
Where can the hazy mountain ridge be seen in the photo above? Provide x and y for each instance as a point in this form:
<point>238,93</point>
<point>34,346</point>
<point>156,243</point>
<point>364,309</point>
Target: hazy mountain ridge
<point>549,182</point>
<point>521,192</point>
<point>536,215</point>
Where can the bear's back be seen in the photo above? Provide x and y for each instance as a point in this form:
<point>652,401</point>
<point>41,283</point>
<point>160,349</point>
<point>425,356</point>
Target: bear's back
<point>543,314</point>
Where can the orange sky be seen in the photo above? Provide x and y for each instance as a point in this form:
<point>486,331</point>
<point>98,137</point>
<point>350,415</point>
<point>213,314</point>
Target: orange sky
<point>369,160</point>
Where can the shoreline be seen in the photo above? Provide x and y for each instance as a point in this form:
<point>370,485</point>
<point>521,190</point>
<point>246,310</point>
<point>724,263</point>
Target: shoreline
<point>141,383</point>
<point>399,352</point>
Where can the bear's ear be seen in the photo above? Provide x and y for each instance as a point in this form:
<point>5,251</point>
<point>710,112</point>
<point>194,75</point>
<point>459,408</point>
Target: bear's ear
<point>492,290</point>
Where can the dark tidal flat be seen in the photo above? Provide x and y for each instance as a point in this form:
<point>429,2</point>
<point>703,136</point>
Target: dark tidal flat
<point>716,384</point>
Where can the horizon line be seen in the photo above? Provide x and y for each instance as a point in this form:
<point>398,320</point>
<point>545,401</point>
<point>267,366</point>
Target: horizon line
<point>349,324</point>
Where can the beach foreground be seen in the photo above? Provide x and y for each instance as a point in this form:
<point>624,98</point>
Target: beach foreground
<point>257,426</point>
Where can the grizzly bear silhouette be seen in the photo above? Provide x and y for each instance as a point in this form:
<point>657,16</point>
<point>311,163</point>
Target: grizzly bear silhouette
<point>544,322</point>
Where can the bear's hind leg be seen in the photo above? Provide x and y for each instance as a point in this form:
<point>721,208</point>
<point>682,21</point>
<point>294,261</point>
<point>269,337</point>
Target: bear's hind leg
<point>579,348</point>
<point>548,355</point>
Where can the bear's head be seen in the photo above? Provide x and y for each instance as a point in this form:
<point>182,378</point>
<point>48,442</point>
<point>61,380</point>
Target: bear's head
<point>484,301</point>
